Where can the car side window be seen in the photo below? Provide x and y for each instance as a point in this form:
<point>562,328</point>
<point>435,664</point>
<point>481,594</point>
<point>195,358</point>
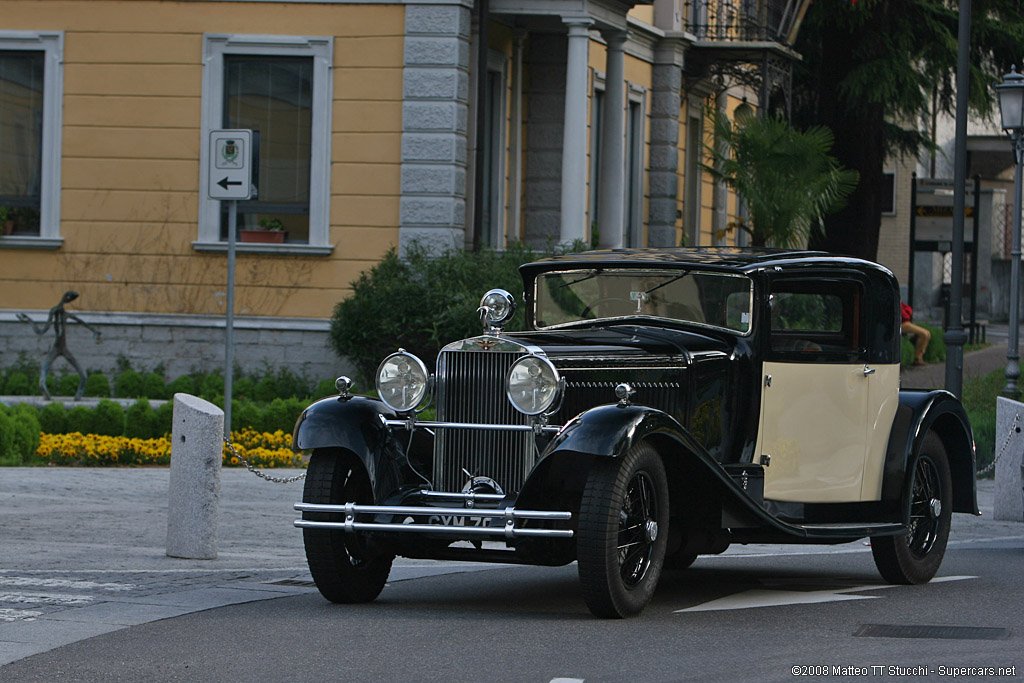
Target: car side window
<point>816,320</point>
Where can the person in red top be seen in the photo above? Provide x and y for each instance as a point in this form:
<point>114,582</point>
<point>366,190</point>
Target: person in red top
<point>921,335</point>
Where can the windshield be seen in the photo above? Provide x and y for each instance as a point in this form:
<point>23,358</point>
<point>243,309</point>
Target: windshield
<point>706,298</point>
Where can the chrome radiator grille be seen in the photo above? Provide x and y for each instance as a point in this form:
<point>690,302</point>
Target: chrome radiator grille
<point>471,388</point>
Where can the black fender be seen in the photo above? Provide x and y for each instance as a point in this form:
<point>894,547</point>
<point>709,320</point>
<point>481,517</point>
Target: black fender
<point>356,424</point>
<point>918,413</point>
<point>610,431</point>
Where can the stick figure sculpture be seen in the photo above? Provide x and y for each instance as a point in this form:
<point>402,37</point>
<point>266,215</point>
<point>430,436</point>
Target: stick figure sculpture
<point>58,317</point>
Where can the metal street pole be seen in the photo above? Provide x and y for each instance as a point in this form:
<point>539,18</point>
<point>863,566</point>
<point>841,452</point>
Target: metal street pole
<point>1012,354</point>
<point>955,336</point>
<point>229,324</point>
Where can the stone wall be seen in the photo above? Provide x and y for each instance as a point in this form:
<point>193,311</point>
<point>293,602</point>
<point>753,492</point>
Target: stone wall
<point>180,343</point>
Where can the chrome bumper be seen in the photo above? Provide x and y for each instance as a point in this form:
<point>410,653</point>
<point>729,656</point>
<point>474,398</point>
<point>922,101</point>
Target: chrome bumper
<point>509,515</point>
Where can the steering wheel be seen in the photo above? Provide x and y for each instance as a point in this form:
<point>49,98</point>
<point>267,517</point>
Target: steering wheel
<point>600,302</point>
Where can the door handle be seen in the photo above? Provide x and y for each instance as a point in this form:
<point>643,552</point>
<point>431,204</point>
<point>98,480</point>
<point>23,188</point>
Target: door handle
<point>868,371</point>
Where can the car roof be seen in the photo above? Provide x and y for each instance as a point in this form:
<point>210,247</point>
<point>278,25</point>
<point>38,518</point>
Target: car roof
<point>735,259</point>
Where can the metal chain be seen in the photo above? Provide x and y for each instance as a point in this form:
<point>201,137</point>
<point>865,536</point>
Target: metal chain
<point>1013,430</point>
<point>258,473</point>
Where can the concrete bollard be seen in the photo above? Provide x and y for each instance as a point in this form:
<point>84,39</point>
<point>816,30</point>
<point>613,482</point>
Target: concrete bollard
<point>1008,503</point>
<point>194,491</point>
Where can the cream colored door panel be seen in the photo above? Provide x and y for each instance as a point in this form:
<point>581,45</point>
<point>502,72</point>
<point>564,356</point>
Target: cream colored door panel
<point>813,425</point>
<point>883,400</point>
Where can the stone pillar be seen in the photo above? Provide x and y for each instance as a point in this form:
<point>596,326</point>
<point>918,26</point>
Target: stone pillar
<point>1008,503</point>
<point>435,92</point>
<point>612,206</point>
<point>574,136</point>
<point>197,436</point>
<point>664,151</point>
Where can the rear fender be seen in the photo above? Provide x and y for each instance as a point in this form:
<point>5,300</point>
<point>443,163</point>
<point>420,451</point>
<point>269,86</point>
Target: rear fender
<point>356,424</point>
<point>918,413</point>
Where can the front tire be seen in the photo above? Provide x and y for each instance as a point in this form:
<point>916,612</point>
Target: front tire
<point>623,532</point>
<point>344,568</point>
<point>915,557</point>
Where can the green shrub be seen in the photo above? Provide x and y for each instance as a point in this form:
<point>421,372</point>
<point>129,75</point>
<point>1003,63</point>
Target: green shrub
<point>108,419</point>
<point>129,384</point>
<point>281,414</point>
<point>421,303</point>
<point>140,421</point>
<point>245,414</point>
<point>291,385</point>
<point>325,387</point>
<point>26,431</point>
<point>81,419</point>
<point>154,387</point>
<point>9,456</point>
<point>68,385</point>
<point>936,351</point>
<point>266,390</point>
<point>53,418</point>
<point>97,385</point>
<point>182,385</point>
<point>53,384</point>
<point>212,386</point>
<point>18,384</point>
<point>162,419</point>
<point>243,387</point>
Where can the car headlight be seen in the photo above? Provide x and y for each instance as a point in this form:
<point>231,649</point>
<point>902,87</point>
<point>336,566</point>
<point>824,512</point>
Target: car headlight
<point>532,385</point>
<point>402,381</point>
<point>497,307</point>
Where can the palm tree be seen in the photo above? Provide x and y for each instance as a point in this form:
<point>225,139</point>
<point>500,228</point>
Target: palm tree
<point>786,176</point>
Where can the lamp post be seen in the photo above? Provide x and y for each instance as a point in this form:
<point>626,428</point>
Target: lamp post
<point>1011,107</point>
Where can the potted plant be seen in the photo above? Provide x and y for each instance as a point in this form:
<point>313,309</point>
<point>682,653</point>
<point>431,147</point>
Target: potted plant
<point>271,230</point>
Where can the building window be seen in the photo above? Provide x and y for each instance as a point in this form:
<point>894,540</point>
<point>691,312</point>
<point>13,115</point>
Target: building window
<point>279,86</point>
<point>492,153</point>
<point>889,193</point>
<point>634,185</point>
<point>30,108</point>
<point>596,124</point>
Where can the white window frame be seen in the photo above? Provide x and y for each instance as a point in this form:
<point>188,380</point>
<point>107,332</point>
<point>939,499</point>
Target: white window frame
<point>51,44</point>
<point>321,49</point>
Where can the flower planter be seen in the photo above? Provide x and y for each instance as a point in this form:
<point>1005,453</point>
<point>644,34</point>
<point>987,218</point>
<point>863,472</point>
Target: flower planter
<point>265,236</point>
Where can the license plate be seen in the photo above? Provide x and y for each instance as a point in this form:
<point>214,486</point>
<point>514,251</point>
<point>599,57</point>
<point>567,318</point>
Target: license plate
<point>456,520</point>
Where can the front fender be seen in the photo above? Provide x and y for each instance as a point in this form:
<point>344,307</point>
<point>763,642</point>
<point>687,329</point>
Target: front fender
<point>357,424</point>
<point>918,413</point>
<point>612,430</point>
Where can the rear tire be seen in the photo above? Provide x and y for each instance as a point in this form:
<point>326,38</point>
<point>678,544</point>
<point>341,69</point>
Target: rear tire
<point>915,557</point>
<point>623,532</point>
<point>344,567</point>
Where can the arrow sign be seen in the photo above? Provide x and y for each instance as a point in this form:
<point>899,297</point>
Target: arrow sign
<point>225,183</point>
<point>233,156</point>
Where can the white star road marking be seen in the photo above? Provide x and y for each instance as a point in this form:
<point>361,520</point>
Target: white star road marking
<point>763,597</point>
<point>64,583</point>
<point>46,598</point>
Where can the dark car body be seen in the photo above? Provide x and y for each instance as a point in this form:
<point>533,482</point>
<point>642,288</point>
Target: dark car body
<point>701,397</point>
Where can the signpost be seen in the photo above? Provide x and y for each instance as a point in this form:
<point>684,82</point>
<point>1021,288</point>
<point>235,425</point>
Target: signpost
<point>234,157</point>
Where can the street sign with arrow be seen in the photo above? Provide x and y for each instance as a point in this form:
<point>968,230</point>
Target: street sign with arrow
<point>233,155</point>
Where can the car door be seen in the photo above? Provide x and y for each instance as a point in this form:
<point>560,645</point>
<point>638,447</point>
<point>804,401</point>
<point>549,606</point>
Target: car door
<point>815,434</point>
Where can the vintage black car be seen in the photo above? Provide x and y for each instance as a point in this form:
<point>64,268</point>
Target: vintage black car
<point>662,404</point>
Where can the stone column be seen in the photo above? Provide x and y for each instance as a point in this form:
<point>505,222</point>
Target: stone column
<point>197,434</point>
<point>664,152</point>
<point>574,138</point>
<point>435,92</point>
<point>612,205</point>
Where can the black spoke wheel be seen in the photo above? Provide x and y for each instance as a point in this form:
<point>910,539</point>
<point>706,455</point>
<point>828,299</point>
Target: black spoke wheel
<point>623,528</point>
<point>344,567</point>
<point>915,557</point>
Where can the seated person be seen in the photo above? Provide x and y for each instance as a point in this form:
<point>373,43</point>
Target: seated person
<point>921,335</point>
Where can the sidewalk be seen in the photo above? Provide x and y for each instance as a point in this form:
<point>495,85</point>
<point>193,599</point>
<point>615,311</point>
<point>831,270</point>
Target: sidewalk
<point>976,364</point>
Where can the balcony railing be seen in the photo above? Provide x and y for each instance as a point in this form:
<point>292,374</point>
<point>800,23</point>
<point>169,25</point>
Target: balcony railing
<point>741,20</point>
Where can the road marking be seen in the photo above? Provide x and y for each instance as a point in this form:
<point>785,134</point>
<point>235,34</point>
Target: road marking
<point>64,583</point>
<point>765,597</point>
<point>46,598</point>
<point>566,680</point>
<point>7,614</point>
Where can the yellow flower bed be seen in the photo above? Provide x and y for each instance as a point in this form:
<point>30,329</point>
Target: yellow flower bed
<point>263,450</point>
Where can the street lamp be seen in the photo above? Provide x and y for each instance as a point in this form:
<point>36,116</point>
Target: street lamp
<point>1011,106</point>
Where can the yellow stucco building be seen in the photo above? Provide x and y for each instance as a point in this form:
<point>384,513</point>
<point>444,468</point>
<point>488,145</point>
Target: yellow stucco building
<point>457,124</point>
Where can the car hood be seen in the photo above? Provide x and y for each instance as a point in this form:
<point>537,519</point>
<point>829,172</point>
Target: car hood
<point>626,340</point>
